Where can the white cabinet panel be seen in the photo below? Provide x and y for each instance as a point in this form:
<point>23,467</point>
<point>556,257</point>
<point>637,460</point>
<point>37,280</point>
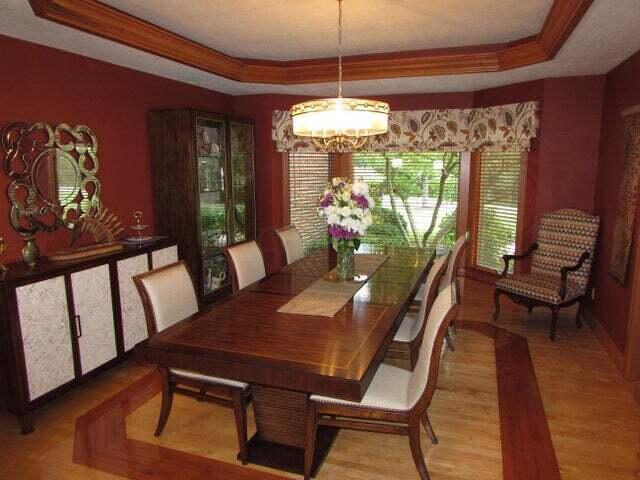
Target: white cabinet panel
<point>134,325</point>
<point>46,337</point>
<point>164,256</point>
<point>92,301</point>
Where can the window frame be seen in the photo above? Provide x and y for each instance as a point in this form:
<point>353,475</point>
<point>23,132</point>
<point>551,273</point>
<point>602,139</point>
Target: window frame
<point>474,213</point>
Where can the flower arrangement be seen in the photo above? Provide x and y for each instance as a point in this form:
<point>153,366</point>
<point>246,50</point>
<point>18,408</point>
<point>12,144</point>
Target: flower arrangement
<point>347,208</point>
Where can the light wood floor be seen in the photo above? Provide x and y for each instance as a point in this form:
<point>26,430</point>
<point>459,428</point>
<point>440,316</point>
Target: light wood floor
<point>594,421</point>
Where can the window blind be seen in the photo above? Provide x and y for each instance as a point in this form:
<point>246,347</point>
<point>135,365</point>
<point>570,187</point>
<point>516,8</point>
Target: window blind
<point>308,176</point>
<point>498,196</point>
<point>416,197</point>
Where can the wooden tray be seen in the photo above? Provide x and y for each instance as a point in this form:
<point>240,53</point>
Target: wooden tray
<point>84,252</point>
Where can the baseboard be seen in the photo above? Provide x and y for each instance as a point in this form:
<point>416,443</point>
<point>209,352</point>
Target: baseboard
<point>616,356</point>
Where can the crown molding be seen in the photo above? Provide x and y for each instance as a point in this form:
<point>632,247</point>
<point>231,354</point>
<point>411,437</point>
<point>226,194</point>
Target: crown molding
<point>99,19</point>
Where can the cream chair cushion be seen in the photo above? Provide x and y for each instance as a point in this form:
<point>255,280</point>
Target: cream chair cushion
<point>412,323</point>
<point>393,388</point>
<point>248,263</point>
<point>171,294</point>
<point>292,243</point>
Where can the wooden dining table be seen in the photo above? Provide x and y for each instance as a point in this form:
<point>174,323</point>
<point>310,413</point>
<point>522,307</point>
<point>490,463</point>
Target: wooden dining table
<point>287,357</point>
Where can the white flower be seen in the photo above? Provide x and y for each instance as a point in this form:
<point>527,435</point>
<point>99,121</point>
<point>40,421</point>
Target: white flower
<point>335,181</point>
<point>360,188</point>
<point>333,218</point>
<point>345,211</point>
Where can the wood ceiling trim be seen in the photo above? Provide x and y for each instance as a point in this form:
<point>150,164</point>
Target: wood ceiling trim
<point>108,22</point>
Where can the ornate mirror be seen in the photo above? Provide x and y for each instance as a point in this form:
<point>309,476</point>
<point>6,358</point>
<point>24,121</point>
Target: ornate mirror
<point>53,178</point>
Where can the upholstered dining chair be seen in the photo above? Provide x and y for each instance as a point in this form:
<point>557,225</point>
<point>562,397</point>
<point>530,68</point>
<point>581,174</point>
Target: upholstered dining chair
<point>290,244</point>
<point>168,296</point>
<point>408,338</point>
<point>246,263</point>
<point>561,261</point>
<point>397,400</point>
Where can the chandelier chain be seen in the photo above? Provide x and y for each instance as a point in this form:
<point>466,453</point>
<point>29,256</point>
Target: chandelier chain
<point>339,48</point>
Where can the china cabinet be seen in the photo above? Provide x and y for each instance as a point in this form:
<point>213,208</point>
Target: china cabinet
<point>203,181</point>
<point>63,323</point>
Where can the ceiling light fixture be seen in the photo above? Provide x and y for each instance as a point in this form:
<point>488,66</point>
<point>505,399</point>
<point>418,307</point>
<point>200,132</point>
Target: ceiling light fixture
<point>340,124</point>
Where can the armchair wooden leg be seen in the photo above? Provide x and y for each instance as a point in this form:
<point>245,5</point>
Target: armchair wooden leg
<point>416,450</point>
<point>554,322</point>
<point>496,303</point>
<point>167,401</point>
<point>240,413</point>
<point>310,438</point>
<point>579,315</point>
<point>430,432</point>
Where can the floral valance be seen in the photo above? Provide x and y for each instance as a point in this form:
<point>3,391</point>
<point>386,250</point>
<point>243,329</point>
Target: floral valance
<point>500,128</point>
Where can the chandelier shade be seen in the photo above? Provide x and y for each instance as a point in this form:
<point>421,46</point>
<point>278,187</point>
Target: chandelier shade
<point>340,117</point>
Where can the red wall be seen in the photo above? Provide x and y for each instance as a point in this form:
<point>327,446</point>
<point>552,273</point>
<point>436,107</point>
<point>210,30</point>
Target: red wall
<point>52,86</point>
<point>622,90</point>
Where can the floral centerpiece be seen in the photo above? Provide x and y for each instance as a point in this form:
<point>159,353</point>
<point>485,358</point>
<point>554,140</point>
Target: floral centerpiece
<point>347,208</point>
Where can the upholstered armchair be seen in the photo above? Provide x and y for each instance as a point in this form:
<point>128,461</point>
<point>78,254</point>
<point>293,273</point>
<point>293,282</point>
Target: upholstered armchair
<point>561,261</point>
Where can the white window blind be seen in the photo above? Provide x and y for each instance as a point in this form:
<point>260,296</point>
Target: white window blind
<point>498,197</point>
<point>416,197</point>
<point>308,176</point>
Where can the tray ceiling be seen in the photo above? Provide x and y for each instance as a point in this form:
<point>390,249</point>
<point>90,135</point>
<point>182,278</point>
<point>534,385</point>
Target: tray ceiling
<point>301,29</point>
<point>606,35</point>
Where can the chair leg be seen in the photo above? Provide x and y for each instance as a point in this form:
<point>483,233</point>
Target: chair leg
<point>453,327</point>
<point>579,315</point>
<point>496,303</point>
<point>240,412</point>
<point>167,401</point>
<point>554,322</point>
<point>447,337</point>
<point>429,428</point>
<point>201,394</point>
<point>310,438</point>
<point>416,450</point>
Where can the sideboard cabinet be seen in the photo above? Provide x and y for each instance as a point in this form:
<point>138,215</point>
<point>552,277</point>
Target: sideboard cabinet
<point>63,323</point>
<point>203,184</point>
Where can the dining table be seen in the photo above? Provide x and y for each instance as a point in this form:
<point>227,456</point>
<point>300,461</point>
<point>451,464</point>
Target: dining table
<point>287,357</point>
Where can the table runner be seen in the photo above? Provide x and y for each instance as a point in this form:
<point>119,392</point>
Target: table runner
<point>325,298</point>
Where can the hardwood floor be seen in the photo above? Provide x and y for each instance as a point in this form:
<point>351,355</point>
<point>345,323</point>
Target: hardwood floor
<point>592,418</point>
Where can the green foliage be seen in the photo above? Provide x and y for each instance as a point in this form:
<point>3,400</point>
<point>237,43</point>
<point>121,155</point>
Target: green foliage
<point>385,229</point>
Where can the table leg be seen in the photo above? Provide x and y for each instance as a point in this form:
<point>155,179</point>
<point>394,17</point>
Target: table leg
<point>280,421</point>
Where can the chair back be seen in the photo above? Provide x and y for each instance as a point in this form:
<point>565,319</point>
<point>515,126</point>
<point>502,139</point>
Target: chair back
<point>425,374</point>
<point>290,243</point>
<point>563,236</point>
<point>246,263</point>
<point>167,294</point>
<point>454,261</point>
<point>431,290</point>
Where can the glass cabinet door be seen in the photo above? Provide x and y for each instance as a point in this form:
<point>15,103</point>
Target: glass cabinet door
<point>241,217</point>
<point>212,169</point>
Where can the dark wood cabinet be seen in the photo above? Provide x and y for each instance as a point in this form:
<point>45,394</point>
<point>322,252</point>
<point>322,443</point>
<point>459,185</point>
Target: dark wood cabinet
<point>203,185</point>
<point>63,323</point>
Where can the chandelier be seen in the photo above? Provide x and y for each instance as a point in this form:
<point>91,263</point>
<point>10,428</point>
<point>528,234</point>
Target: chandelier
<point>339,124</point>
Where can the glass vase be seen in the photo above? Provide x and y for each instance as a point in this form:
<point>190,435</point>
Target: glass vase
<point>346,265</point>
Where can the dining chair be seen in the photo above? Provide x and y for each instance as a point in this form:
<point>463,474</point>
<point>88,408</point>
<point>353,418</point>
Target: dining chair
<point>168,296</point>
<point>408,338</point>
<point>290,244</point>
<point>246,263</point>
<point>396,401</point>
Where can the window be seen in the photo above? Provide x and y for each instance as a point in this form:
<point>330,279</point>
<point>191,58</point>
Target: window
<point>308,175</point>
<point>416,197</point>
<point>498,196</point>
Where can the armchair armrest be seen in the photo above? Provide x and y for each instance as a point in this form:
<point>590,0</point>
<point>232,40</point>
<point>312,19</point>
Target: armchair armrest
<point>564,272</point>
<point>508,258</point>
